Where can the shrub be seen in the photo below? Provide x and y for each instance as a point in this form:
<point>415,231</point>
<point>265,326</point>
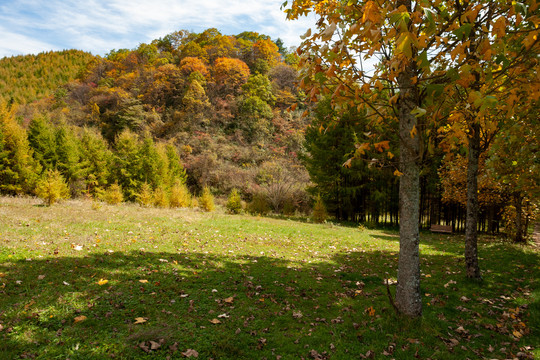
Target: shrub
<point>319,211</point>
<point>113,195</point>
<point>144,197</point>
<point>52,187</point>
<point>259,205</point>
<point>180,196</point>
<point>160,198</point>
<point>206,201</point>
<point>234,202</point>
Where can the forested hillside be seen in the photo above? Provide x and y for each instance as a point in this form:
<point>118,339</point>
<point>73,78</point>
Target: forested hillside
<point>24,79</point>
<point>219,103</point>
<point>191,111</point>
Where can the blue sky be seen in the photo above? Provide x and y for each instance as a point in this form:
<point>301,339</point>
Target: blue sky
<point>98,26</point>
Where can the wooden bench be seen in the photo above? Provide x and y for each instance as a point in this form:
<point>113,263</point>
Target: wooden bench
<point>447,229</point>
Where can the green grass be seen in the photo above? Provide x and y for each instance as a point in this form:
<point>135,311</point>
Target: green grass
<point>299,290</point>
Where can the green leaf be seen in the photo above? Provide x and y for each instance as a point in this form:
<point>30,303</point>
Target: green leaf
<point>418,112</point>
<point>463,31</point>
<point>519,7</point>
<point>431,21</point>
<point>400,20</point>
<point>435,89</point>
<point>404,43</point>
<point>423,61</point>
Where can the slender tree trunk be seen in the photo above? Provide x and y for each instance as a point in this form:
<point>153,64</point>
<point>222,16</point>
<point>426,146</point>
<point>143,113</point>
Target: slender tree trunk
<point>519,227</point>
<point>471,230</point>
<point>408,298</point>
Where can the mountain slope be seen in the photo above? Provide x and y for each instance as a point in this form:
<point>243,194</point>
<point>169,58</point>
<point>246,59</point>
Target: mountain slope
<point>27,78</point>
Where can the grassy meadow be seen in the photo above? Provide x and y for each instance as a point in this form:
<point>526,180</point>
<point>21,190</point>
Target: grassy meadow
<point>84,282</point>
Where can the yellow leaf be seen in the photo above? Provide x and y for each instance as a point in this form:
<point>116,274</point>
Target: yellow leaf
<point>381,146</point>
<point>102,281</point>
<point>397,173</point>
<point>390,155</point>
<point>404,43</point>
<point>371,12</point>
<point>499,27</point>
<point>215,321</point>
<point>229,300</point>
<point>413,131</point>
<point>140,320</point>
<point>517,334</point>
<point>143,281</point>
<point>361,149</point>
<point>2,275</point>
<point>79,319</point>
<point>530,39</point>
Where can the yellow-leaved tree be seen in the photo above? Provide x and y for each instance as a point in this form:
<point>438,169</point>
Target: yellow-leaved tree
<point>394,60</point>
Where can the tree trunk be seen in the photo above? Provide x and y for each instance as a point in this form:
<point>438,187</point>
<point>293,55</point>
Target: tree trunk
<point>471,230</point>
<point>408,298</point>
<point>519,227</point>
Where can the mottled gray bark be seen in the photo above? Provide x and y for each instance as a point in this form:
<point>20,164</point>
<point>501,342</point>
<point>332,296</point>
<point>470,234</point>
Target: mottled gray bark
<point>518,199</point>
<point>408,298</point>
<point>471,232</point>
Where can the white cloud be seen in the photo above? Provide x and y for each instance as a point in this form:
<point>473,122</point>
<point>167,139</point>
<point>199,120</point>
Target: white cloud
<point>100,25</point>
<point>17,44</point>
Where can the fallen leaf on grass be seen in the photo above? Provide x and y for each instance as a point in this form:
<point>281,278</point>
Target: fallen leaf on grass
<point>2,275</point>
<point>41,277</point>
<point>79,319</point>
<point>215,321</point>
<point>229,300</point>
<point>143,281</point>
<point>144,347</point>
<point>154,345</point>
<point>140,320</point>
<point>65,283</point>
<point>297,314</point>
<point>517,334</point>
<point>223,316</point>
<point>449,283</point>
<point>27,306</point>
<point>464,299</point>
<point>102,282</point>
<point>190,353</point>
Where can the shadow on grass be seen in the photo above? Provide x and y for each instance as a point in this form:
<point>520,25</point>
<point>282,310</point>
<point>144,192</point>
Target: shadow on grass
<point>266,306</point>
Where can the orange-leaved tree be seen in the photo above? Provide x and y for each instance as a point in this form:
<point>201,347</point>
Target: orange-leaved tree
<point>394,60</point>
<point>230,74</point>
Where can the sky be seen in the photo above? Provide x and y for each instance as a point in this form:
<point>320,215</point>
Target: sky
<point>98,26</point>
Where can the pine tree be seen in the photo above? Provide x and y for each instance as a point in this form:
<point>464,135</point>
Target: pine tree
<point>68,155</point>
<point>319,210</point>
<point>95,160</point>
<point>180,196</point>
<point>234,202</point>
<point>206,201</point>
<point>126,169</point>
<point>18,169</point>
<point>52,187</point>
<point>144,197</point>
<point>42,140</point>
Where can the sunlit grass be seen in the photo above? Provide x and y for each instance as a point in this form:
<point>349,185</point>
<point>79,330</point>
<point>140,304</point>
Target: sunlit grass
<point>279,288</point>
